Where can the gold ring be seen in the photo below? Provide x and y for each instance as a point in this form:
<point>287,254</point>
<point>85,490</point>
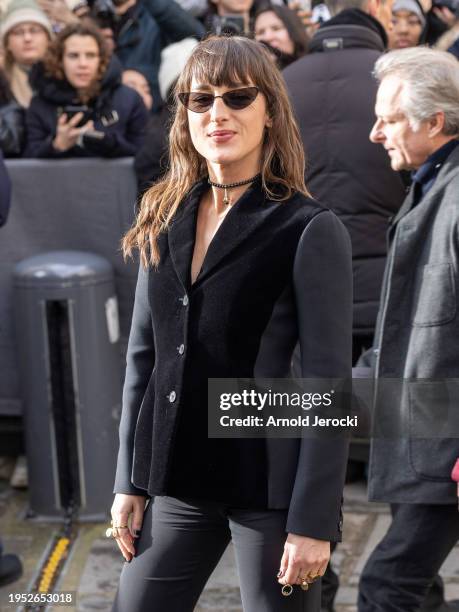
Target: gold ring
<point>112,532</point>
<point>304,585</point>
<point>312,578</point>
<point>118,526</point>
<point>287,590</point>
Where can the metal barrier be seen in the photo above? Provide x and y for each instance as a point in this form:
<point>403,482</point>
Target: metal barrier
<point>71,204</point>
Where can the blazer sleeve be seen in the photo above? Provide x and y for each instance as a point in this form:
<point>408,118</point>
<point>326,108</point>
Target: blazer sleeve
<point>322,279</point>
<point>140,361</point>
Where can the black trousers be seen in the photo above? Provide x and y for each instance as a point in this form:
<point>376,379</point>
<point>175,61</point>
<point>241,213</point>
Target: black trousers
<point>181,543</point>
<point>403,566</point>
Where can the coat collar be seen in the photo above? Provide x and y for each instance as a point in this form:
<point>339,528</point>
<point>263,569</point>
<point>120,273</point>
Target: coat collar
<point>246,215</point>
<point>450,166</point>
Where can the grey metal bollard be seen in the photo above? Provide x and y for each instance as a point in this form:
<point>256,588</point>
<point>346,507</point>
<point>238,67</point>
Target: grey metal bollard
<point>67,336</point>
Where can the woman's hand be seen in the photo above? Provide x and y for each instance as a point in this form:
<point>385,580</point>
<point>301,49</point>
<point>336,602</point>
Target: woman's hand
<point>305,16</point>
<point>67,134</point>
<point>122,508</point>
<point>302,557</point>
<point>446,15</point>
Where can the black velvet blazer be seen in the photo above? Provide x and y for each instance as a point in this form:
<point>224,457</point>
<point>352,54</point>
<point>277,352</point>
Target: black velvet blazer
<point>275,273</point>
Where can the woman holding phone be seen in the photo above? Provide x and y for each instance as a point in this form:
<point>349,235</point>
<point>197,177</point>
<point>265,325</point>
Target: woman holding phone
<point>238,263</point>
<point>81,108</point>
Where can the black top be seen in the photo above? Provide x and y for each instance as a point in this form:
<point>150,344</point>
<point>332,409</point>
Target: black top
<point>275,273</point>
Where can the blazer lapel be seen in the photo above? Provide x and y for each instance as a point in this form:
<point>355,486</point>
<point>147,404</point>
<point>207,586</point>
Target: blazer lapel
<point>247,214</point>
<point>403,210</point>
<point>182,233</point>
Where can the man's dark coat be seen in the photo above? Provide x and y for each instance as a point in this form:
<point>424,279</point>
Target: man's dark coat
<point>274,273</point>
<point>333,94</point>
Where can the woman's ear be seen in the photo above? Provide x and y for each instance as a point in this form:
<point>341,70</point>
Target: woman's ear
<point>269,122</point>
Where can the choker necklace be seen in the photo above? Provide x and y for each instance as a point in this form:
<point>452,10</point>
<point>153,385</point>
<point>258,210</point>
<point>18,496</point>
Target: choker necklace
<point>226,197</point>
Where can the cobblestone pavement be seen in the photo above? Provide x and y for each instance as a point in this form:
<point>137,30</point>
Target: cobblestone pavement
<point>94,565</point>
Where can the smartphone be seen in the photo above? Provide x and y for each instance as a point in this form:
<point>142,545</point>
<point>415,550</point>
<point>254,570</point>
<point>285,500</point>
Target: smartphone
<point>320,13</point>
<point>302,5</point>
<point>72,110</point>
<point>231,24</point>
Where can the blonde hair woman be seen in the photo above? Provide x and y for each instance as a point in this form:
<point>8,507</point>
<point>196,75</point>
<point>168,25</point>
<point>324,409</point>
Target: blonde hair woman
<point>25,32</point>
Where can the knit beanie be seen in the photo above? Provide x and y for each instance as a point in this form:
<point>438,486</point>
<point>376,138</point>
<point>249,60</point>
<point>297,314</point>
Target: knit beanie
<point>21,11</point>
<point>411,6</point>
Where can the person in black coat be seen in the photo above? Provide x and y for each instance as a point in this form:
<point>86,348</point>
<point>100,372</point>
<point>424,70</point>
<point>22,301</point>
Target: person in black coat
<point>143,29</point>
<point>81,108</point>
<point>11,121</point>
<point>10,565</point>
<point>238,263</point>
<point>5,192</point>
<point>152,160</point>
<point>333,93</point>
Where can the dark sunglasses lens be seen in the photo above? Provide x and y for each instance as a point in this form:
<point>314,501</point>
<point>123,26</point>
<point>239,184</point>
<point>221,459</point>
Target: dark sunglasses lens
<point>240,98</point>
<point>199,102</point>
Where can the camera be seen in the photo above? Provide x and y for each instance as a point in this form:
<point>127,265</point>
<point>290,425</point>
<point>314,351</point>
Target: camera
<point>104,13</point>
<point>231,25</point>
<point>320,13</point>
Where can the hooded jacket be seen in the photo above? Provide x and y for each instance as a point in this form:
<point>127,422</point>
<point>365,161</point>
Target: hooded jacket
<point>118,113</point>
<point>333,93</point>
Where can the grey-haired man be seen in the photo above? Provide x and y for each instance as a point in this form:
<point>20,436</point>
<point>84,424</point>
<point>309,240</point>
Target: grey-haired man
<point>417,331</point>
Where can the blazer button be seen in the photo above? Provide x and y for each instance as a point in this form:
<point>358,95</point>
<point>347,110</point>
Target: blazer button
<point>184,300</point>
<point>172,395</point>
<point>181,349</point>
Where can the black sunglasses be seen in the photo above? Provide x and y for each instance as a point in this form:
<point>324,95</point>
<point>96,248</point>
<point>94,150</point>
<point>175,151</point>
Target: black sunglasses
<point>236,99</point>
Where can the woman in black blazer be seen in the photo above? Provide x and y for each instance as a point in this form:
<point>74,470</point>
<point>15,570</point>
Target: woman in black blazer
<point>238,263</point>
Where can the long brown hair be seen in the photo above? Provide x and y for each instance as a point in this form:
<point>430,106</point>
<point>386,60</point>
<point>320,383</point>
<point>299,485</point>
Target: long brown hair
<point>53,60</point>
<point>221,61</point>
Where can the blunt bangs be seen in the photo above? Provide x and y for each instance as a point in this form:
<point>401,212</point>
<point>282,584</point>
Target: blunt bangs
<point>225,61</point>
<point>221,62</point>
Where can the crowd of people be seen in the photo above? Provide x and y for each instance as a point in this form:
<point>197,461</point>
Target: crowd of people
<point>68,69</point>
<point>97,79</point>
